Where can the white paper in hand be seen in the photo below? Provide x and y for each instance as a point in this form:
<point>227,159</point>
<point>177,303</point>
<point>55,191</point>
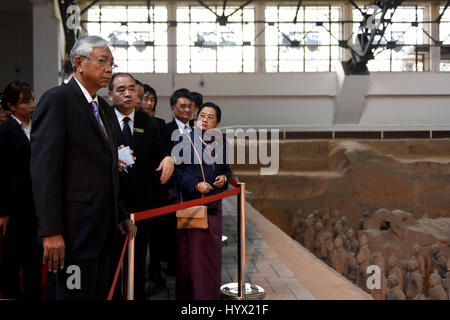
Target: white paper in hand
<point>126,156</point>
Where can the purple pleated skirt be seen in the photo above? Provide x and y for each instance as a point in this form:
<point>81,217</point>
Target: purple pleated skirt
<point>199,260</point>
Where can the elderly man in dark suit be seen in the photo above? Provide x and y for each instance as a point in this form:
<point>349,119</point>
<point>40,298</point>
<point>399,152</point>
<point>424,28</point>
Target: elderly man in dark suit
<point>153,167</point>
<point>74,170</point>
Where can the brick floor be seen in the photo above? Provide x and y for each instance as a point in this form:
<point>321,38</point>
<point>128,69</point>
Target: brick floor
<point>264,267</point>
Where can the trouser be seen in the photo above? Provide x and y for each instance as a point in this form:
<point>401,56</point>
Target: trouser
<point>85,279</point>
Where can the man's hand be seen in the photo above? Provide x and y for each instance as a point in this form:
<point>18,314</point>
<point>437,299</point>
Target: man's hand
<point>203,187</point>
<point>167,168</point>
<point>3,222</point>
<point>122,164</point>
<point>127,227</point>
<point>54,251</point>
<point>220,181</point>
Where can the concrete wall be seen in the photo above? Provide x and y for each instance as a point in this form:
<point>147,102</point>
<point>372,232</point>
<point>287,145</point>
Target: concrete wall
<point>16,45</point>
<point>48,41</point>
<point>407,98</point>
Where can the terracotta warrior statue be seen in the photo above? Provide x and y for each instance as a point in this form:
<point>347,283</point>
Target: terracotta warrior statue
<point>394,291</point>
<point>350,267</point>
<point>416,252</point>
<point>361,275</point>
<point>299,226</point>
<point>352,244</point>
<point>329,244</point>
<point>379,294</point>
<point>364,248</point>
<point>344,224</point>
<point>338,231</point>
<point>437,292</point>
<point>395,270</point>
<point>309,235</point>
<point>335,217</point>
<point>438,260</point>
<point>318,228</point>
<point>326,238</point>
<point>338,256</point>
<point>326,222</point>
<point>414,283</point>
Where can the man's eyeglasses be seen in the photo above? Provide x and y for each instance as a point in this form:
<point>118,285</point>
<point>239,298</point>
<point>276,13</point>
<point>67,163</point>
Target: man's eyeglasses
<point>185,106</point>
<point>103,63</point>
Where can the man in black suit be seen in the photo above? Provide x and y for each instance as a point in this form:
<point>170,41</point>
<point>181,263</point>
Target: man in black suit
<point>143,181</point>
<point>181,103</point>
<point>74,170</point>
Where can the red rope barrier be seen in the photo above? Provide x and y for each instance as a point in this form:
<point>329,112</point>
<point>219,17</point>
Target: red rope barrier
<point>116,275</point>
<point>142,215</point>
<point>234,183</point>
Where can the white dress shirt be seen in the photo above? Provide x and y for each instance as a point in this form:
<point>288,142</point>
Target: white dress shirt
<point>86,93</point>
<point>120,118</point>
<point>183,126</point>
<point>88,97</point>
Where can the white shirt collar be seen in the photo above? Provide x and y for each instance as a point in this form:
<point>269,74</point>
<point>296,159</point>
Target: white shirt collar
<point>86,93</point>
<point>182,125</point>
<point>25,127</point>
<point>121,116</point>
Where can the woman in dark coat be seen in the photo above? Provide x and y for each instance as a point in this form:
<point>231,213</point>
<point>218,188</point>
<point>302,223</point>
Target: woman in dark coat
<point>199,251</point>
<point>18,226</point>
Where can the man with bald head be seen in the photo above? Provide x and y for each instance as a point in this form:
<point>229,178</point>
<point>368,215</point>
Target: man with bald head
<point>74,170</point>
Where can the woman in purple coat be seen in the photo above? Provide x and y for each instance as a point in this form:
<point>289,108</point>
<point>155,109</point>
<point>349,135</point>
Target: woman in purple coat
<point>199,251</point>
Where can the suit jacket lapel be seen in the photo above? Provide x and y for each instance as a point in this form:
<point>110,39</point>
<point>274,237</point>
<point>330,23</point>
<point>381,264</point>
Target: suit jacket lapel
<point>87,108</point>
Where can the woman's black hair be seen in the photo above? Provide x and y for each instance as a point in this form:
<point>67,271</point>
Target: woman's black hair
<point>214,106</point>
<point>152,91</point>
<point>12,92</point>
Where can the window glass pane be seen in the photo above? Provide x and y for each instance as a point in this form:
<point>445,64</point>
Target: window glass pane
<point>405,34</point>
<point>303,46</point>
<point>271,65</point>
<point>215,47</point>
<point>113,13</point>
<point>137,41</point>
<point>444,36</point>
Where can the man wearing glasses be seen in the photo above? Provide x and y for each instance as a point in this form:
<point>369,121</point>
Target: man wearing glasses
<point>74,170</point>
<point>181,104</point>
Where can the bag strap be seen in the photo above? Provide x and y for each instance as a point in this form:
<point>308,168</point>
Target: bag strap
<point>198,156</point>
<point>199,159</point>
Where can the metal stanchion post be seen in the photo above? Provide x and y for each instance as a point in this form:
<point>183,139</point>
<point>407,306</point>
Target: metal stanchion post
<point>241,290</point>
<point>130,293</point>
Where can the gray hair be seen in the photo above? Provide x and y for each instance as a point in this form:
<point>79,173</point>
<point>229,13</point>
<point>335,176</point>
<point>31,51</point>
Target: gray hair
<point>84,46</point>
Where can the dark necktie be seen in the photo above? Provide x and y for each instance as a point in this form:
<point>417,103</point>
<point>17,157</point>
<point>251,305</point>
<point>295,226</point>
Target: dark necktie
<point>97,117</point>
<point>127,137</point>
